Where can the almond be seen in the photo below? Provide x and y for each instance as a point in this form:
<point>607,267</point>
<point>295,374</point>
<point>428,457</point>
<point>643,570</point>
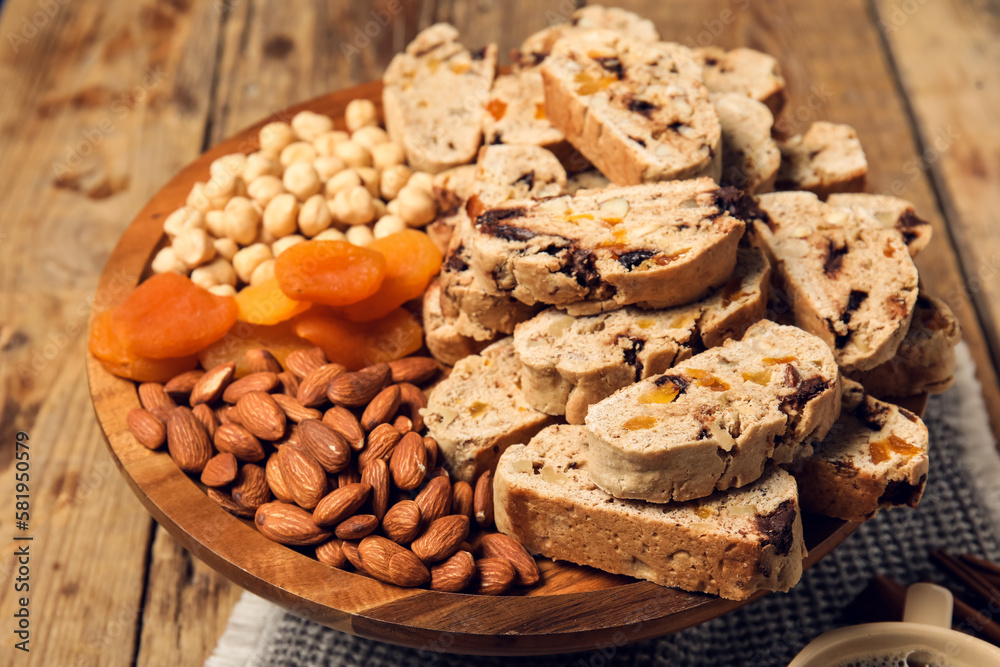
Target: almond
<point>341,503</point>
<point>227,503</point>
<point>402,522</point>
<point>382,408</point>
<point>211,385</point>
<point>441,538</point>
<point>411,401</point>
<point>250,488</point>
<point>454,574</point>
<point>346,424</point>
<point>356,527</point>
<point>225,414</point>
<point>496,576</point>
<point>206,416</point>
<point>376,475</point>
<point>332,553</point>
<point>358,388</point>
<point>295,410</point>
<point>461,499</point>
<point>431,445</point>
<point>403,424</point>
<point>348,475</point>
<point>146,427</point>
<point>312,388</point>
<point>325,445</point>
<point>482,502</point>
<point>260,415</point>
<point>350,550</point>
<point>288,384</point>
<point>387,561</point>
<point>381,441</point>
<point>289,524</point>
<point>239,442</point>
<point>220,470</point>
<point>262,361</point>
<point>435,499</point>
<point>304,362</point>
<point>182,385</point>
<point>272,473</point>
<point>304,477</point>
<point>187,440</point>
<point>154,398</point>
<point>408,463</point>
<point>415,370</point>
<point>254,382</point>
<point>505,547</point>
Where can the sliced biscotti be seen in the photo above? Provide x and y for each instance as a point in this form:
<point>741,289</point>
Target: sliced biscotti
<point>657,245</point>
<point>750,157</point>
<point>713,422</point>
<point>890,212</point>
<point>730,544</point>
<point>637,110</point>
<point>569,363</point>
<point>478,411</point>
<point>925,360</point>
<point>433,96</point>
<point>505,172</point>
<point>745,71</point>
<point>516,113</point>
<point>440,333</point>
<point>874,457</point>
<point>452,188</point>
<point>828,158</point>
<point>847,279</point>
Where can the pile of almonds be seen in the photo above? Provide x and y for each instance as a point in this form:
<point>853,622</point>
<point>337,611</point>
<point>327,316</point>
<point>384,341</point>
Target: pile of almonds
<point>335,460</point>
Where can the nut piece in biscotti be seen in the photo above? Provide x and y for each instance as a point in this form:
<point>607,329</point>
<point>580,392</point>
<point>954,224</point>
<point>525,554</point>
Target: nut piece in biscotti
<point>731,544</point>
<point>828,158</point>
<point>590,179</point>
<point>874,457</point>
<point>440,334</point>
<point>478,411</point>
<point>890,212</point>
<point>924,361</point>
<point>638,111</point>
<point>744,71</point>
<point>659,245</point>
<point>847,279</point>
<point>750,157</point>
<point>569,363</point>
<point>713,421</point>
<point>433,98</point>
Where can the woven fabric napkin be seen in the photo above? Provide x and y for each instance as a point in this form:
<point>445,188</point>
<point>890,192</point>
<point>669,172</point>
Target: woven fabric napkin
<point>960,512</point>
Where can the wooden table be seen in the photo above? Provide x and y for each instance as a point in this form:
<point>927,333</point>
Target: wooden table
<point>101,102</point>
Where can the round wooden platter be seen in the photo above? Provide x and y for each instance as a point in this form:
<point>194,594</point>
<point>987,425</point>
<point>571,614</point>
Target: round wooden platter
<point>574,609</point>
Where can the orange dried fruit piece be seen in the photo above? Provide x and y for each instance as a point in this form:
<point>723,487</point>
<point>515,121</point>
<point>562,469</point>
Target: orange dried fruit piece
<point>412,260</point>
<point>278,339</point>
<point>265,303</point>
<point>169,316</point>
<point>335,273</point>
<point>356,345</point>
<point>107,348</point>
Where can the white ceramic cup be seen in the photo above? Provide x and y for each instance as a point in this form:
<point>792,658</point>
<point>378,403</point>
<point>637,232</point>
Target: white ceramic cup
<point>923,638</point>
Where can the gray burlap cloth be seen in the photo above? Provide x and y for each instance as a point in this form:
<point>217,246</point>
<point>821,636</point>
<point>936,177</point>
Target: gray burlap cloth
<point>959,512</point>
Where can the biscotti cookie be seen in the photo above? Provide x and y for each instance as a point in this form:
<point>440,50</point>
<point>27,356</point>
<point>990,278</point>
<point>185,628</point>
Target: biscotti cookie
<point>730,544</point>
<point>516,113</point>
<point>925,360</point>
<point>712,422</point>
<point>505,172</point>
<point>744,71</point>
<point>847,279</point>
<point>750,157</point>
<point>828,158</point>
<point>452,188</point>
<point>478,411</point>
<point>433,96</point>
<point>637,110</point>
<point>657,245</point>
<point>442,338</point>
<point>569,363</point>
<point>874,457</point>
<point>890,212</point>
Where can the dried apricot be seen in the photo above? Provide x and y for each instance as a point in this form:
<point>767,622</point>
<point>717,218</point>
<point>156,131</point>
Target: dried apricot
<point>335,273</point>
<point>169,316</point>
<point>412,260</point>
<point>279,339</point>
<point>356,345</point>
<point>107,348</point>
<point>265,303</point>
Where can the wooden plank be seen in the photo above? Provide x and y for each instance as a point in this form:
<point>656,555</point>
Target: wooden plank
<point>954,101</point>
